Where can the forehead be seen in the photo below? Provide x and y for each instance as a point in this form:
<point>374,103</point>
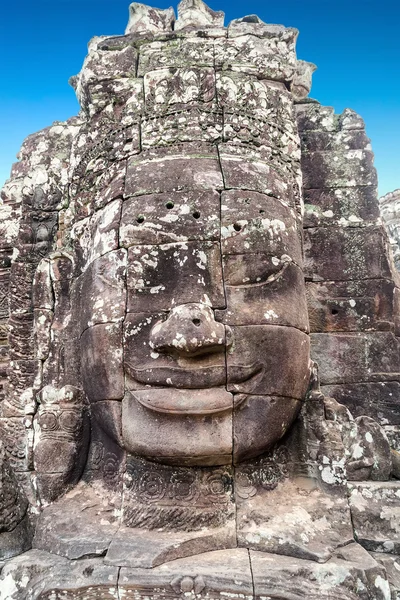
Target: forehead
<point>181,198</point>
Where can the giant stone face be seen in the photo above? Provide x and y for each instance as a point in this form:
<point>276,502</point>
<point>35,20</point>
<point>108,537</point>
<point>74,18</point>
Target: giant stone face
<point>192,311</point>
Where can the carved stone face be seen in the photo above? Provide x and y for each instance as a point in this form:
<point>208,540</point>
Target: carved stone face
<point>193,320</point>
<point>195,329</point>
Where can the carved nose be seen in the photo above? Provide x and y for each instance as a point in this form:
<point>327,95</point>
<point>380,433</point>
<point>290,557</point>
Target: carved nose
<point>190,330</point>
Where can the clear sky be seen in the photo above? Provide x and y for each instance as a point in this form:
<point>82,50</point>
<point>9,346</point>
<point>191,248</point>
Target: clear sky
<point>355,43</point>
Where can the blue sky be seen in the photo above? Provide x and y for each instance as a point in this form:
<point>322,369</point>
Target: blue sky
<point>355,44</point>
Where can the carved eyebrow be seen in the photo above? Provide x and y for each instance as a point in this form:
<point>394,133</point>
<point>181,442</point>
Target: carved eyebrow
<point>270,279</point>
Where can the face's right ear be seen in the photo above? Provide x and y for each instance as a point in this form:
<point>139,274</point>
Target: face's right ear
<point>61,423</point>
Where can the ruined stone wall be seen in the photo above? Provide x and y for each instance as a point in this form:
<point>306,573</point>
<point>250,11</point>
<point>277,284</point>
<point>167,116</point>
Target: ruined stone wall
<point>352,286</point>
<point>390,211</point>
<point>31,201</point>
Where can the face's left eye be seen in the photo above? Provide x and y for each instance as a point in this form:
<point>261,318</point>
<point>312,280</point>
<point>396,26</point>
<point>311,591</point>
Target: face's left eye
<point>253,269</point>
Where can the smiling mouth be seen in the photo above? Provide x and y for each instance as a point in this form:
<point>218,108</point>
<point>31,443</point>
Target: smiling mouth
<point>177,391</point>
<point>203,378</point>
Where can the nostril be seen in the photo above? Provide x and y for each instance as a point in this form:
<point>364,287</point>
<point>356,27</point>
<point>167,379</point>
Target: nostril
<point>196,322</point>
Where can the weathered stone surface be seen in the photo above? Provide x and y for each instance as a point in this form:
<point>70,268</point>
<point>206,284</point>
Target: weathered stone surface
<point>39,575</point>
<point>247,229</point>
<point>375,514</point>
<point>154,173</point>
<point>245,169</point>
<point>261,292</point>
<point>97,235</point>
<point>381,401</point>
<point>350,574</point>
<point>294,519</point>
<point>263,419</point>
<point>190,123</point>
<point>157,399</point>
<point>270,58</point>
<point>353,305</point>
<point>163,498</point>
<point>147,363</point>
<point>171,217</point>
<point>101,356</point>
<point>167,89</point>
<point>145,19</point>
<point>389,208</point>
<point>208,575</point>
<point>62,432</point>
<point>15,530</point>
<point>176,53</point>
<point>89,533</point>
<point>173,274</point>
<point>103,290</point>
<point>270,372</point>
<point>391,565</point>
<point>302,81</point>
<point>357,254</point>
<point>196,14</point>
<point>356,358</point>
<point>187,439</point>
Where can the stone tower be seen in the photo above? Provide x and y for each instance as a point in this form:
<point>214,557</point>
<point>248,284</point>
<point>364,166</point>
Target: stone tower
<point>177,261</point>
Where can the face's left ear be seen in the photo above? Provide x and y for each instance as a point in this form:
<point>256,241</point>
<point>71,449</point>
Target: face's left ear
<point>61,423</point>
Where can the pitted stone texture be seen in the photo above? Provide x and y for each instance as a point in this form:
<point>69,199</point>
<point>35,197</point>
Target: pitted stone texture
<point>354,305</point>
<point>256,223</point>
<point>145,19</point>
<point>170,217</point>
<point>375,514</point>
<point>196,14</point>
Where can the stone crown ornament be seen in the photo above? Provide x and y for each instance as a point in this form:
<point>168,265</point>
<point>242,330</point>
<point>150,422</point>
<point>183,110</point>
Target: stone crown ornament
<point>176,261</point>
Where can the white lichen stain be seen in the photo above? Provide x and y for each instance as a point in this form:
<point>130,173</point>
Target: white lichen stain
<point>270,314</point>
<point>383,585</point>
